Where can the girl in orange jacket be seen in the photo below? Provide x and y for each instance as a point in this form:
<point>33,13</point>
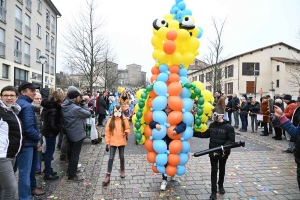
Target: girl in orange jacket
<point>116,131</point>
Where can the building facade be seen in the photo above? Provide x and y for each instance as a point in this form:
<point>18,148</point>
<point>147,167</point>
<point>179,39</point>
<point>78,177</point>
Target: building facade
<point>271,66</point>
<point>28,29</point>
<point>132,76</point>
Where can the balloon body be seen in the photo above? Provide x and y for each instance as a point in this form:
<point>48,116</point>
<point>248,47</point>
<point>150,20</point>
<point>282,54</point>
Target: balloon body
<point>175,103</point>
<point>161,169</point>
<point>186,146</point>
<point>149,145</point>
<point>173,159</point>
<point>148,131</point>
<point>180,170</point>
<point>151,156</point>
<point>174,89</point>
<point>171,135</point>
<point>174,117</point>
<point>161,159</point>
<point>159,134</point>
<point>159,103</point>
<point>183,158</point>
<point>187,134</point>
<point>175,146</point>
<point>159,146</point>
<point>162,77</point>
<point>171,170</point>
<point>187,104</point>
<point>188,118</point>
<point>160,88</point>
<point>185,93</point>
<point>160,117</point>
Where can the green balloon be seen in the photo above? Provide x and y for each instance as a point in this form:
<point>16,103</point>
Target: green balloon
<point>141,104</point>
<point>201,100</point>
<point>188,85</point>
<point>198,122</point>
<point>139,115</point>
<point>199,111</point>
<point>144,96</point>
<point>138,131</point>
<point>138,136</point>
<point>149,88</point>
<point>137,125</point>
<point>197,116</point>
<point>197,91</point>
<point>193,96</point>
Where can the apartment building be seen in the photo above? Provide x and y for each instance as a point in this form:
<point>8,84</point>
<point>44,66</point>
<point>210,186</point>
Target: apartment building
<point>276,68</point>
<point>28,30</point>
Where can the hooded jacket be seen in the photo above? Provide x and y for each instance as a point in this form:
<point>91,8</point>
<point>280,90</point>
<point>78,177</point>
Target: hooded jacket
<point>220,133</point>
<point>74,117</point>
<point>117,138</point>
<point>51,116</point>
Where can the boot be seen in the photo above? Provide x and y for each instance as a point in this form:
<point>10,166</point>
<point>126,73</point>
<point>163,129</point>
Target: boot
<point>213,196</point>
<point>106,180</point>
<point>123,173</point>
<point>221,189</point>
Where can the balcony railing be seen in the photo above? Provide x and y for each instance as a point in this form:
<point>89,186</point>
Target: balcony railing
<point>48,23</point>
<point>47,46</point>
<point>27,31</point>
<point>26,59</point>
<point>2,14</point>
<point>2,49</point>
<point>52,28</point>
<point>51,70</point>
<point>18,25</point>
<point>47,68</point>
<point>18,55</point>
<point>28,5</point>
<point>52,49</point>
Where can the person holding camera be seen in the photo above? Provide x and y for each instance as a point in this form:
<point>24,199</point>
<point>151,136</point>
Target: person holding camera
<point>74,111</point>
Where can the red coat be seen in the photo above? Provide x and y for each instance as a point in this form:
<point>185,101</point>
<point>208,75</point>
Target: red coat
<point>289,110</point>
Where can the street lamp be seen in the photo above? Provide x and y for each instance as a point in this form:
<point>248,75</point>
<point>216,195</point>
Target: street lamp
<point>43,60</point>
<point>255,74</point>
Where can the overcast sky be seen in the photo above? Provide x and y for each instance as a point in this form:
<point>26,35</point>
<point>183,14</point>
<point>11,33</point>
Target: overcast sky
<point>250,24</point>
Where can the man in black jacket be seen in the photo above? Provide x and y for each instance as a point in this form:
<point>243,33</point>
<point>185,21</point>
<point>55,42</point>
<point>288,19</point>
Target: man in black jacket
<point>234,107</point>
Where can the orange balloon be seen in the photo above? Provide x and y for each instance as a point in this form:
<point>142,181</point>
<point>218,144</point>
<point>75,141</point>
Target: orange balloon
<point>153,78</point>
<point>171,170</point>
<point>155,70</point>
<point>168,83</point>
<point>171,135</point>
<point>174,89</point>
<point>175,103</point>
<point>151,156</point>
<point>169,47</point>
<point>171,35</point>
<point>149,102</point>
<point>147,131</point>
<point>174,77</point>
<point>154,169</point>
<point>173,159</point>
<point>152,94</point>
<point>175,146</point>
<point>148,145</point>
<point>174,69</point>
<point>174,117</point>
<point>148,117</point>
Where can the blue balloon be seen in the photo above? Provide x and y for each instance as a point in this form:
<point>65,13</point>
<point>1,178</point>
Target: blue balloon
<point>161,159</point>
<point>188,118</point>
<point>159,146</point>
<point>163,68</point>
<point>179,14</point>
<point>181,5</point>
<point>160,117</point>
<point>184,79</point>
<point>187,134</point>
<point>160,88</point>
<point>185,93</point>
<point>187,12</point>
<point>161,169</point>
<point>180,19</point>
<point>175,10</point>
<point>180,170</point>
<point>159,134</point>
<point>159,103</point>
<point>183,72</point>
<point>184,158</point>
<point>187,104</point>
<point>200,32</point>
<point>186,147</point>
<point>177,1</point>
<point>163,77</point>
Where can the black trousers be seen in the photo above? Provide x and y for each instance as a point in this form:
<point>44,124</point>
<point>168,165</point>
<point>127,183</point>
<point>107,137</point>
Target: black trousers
<point>278,132</point>
<point>215,165</point>
<point>101,117</point>
<point>73,152</point>
<point>298,170</point>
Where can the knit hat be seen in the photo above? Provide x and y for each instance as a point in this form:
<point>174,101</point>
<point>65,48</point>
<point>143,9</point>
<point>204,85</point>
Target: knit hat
<point>244,95</point>
<point>73,94</point>
<point>287,97</point>
<point>72,88</point>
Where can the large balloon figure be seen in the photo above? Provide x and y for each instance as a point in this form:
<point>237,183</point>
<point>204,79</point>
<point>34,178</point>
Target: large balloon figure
<point>176,44</point>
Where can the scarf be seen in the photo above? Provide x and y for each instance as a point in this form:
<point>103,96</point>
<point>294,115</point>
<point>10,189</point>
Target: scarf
<point>124,98</point>
<point>13,108</point>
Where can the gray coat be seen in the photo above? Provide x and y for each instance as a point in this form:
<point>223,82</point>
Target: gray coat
<point>74,116</point>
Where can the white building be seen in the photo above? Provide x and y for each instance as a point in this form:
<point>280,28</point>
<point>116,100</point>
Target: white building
<point>28,29</point>
<point>277,63</point>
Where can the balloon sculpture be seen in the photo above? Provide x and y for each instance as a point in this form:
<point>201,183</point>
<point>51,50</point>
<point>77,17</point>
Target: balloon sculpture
<point>176,44</point>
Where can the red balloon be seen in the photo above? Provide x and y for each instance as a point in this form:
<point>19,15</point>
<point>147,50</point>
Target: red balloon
<point>169,47</point>
<point>154,169</point>
<point>148,145</point>
<point>153,78</point>
<point>174,89</point>
<point>149,102</point>
<point>147,131</point>
<point>152,94</point>
<point>148,117</point>
<point>151,156</point>
<point>155,70</point>
<point>173,159</point>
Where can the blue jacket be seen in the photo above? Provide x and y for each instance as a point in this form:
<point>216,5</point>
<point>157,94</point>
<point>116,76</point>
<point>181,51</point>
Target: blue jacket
<point>30,125</point>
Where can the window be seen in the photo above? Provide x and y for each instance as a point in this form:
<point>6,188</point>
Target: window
<point>28,5</point>
<point>39,6</point>
<point>17,52</point>
<point>27,54</point>
<point>2,42</point>
<point>18,19</point>
<point>47,64</point>
<point>27,26</point>
<point>278,68</point>
<point>47,42</point>
<point>208,76</point>
<point>277,83</point>
<point>38,53</point>
<point>208,88</point>
<point>21,76</point>
<point>5,71</point>
<point>52,24</point>
<point>52,45</point>
<point>38,30</point>
<point>2,3</point>
<point>201,78</point>
<point>250,85</point>
<point>47,19</point>
<point>248,69</point>
<point>229,88</point>
<point>229,71</point>
<point>52,66</point>
<point>2,10</point>
<point>219,73</point>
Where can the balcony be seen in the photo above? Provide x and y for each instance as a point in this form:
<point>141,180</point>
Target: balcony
<point>18,56</point>
<point>27,31</point>
<point>21,1</point>
<point>18,25</point>
<point>47,68</point>
<point>2,49</point>
<point>51,70</point>
<point>48,24</point>
<point>2,14</point>
<point>47,46</point>
<point>28,5</point>
<point>26,59</point>
<point>52,28</point>
<point>52,49</point>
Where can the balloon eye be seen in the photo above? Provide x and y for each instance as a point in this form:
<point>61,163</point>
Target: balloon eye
<point>158,23</point>
<point>187,23</point>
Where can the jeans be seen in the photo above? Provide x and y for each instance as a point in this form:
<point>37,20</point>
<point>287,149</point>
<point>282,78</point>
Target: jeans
<point>64,147</point>
<point>254,122</point>
<point>27,161</point>
<point>214,172</point>
<point>50,148</point>
<point>112,152</point>
<point>60,138</point>
<point>74,149</point>
<point>8,183</point>
<point>236,118</point>
<point>244,121</point>
<point>229,117</point>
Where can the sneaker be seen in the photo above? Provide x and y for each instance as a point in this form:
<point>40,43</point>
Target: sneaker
<point>173,178</point>
<point>287,151</point>
<point>163,185</point>
<point>75,179</point>
<point>79,165</point>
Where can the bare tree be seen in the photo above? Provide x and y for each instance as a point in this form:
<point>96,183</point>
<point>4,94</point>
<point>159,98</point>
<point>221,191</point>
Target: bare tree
<point>214,58</point>
<point>86,44</point>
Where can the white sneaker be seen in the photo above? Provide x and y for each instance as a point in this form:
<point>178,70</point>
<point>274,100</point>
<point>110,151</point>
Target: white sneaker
<point>79,165</point>
<point>163,185</point>
<point>173,178</point>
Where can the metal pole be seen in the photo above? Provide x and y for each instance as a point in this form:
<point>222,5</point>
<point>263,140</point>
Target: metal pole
<point>43,75</point>
<point>255,87</point>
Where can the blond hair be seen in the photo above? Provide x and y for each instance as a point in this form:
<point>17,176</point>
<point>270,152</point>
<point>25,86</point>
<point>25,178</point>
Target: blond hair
<point>57,96</point>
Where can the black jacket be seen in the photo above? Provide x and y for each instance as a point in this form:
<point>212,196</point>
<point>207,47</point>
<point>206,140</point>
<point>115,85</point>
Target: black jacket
<point>52,118</point>
<point>102,106</point>
<point>244,108</point>
<point>220,133</point>
<point>235,101</point>
<point>254,108</point>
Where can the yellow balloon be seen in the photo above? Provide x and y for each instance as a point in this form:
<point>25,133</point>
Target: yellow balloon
<point>145,109</point>
<point>183,35</point>
<point>176,58</point>
<point>188,58</point>
<point>173,24</point>
<point>155,54</point>
<point>163,57</point>
<point>143,140</point>
<point>139,93</point>
<point>204,118</point>
<point>168,18</point>
<point>206,95</point>
<point>195,32</point>
<point>199,85</point>
<point>162,33</point>
<point>133,119</point>
<point>156,41</point>
<point>193,44</point>
<point>203,127</point>
<point>136,108</point>
<point>207,108</point>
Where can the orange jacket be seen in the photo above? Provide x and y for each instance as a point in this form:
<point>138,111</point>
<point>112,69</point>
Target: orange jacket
<point>117,138</point>
<point>289,110</point>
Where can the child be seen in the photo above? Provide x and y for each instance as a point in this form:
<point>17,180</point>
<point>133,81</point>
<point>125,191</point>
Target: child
<point>116,131</point>
<point>178,129</point>
<point>220,133</point>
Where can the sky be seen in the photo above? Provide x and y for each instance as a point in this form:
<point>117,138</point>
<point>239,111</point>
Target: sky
<point>250,24</point>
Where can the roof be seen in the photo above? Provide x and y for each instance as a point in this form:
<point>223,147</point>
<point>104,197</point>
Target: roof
<point>285,60</point>
<point>198,65</point>
<point>53,7</point>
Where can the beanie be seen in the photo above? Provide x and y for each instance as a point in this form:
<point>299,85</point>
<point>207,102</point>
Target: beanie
<point>287,97</point>
<point>72,88</point>
<point>73,94</point>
